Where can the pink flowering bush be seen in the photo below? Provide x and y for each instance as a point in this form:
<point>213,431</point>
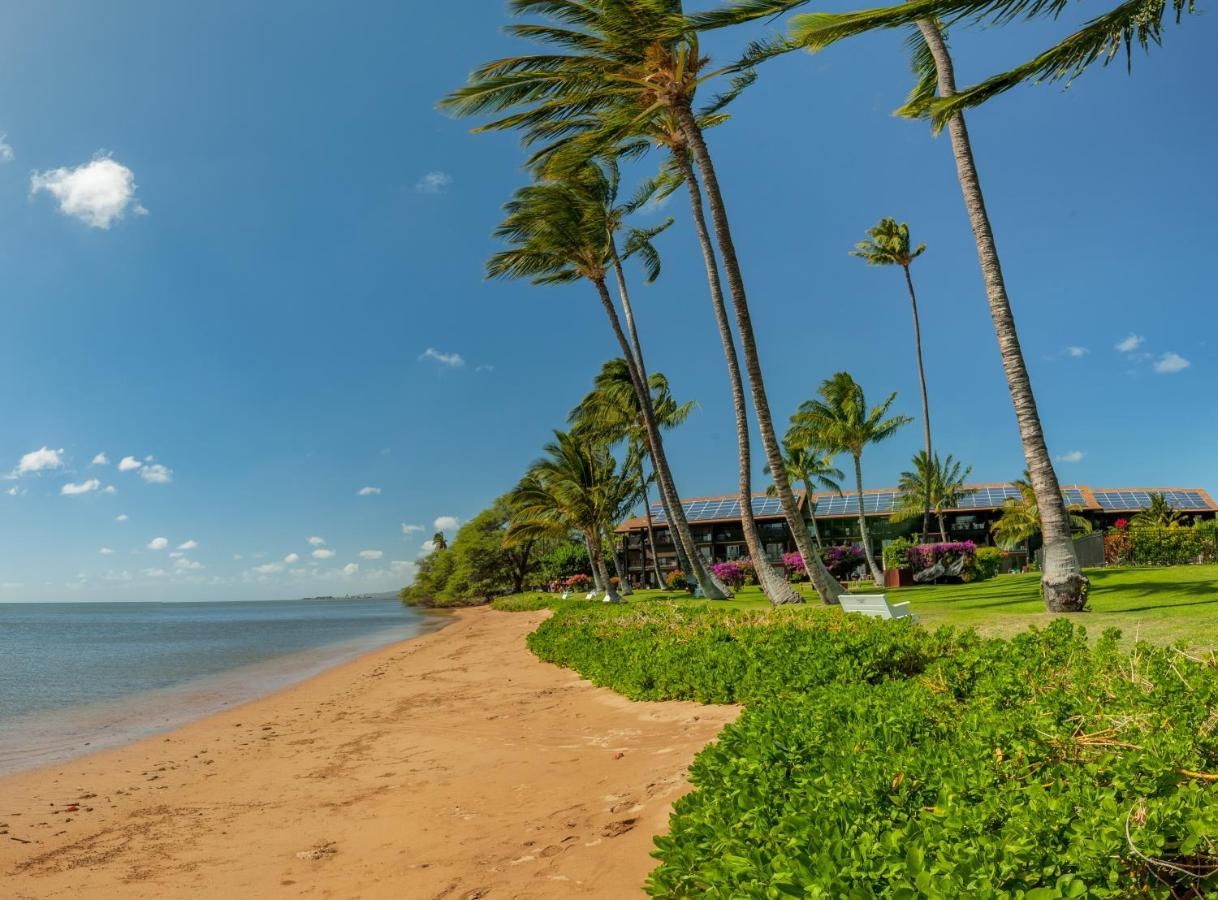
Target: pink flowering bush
<point>923,556</point>
<point>735,574</point>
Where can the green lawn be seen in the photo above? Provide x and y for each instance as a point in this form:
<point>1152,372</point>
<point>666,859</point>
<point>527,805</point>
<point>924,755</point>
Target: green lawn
<point>1161,605</point>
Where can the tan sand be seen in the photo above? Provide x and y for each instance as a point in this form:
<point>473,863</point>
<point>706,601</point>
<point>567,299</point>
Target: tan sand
<point>454,765</point>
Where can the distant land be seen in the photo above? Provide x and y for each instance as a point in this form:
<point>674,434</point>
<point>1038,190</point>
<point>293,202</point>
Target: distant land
<point>383,595</point>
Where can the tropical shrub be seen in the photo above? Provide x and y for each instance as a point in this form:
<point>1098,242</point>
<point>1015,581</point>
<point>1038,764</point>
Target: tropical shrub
<point>923,556</point>
<point>525,602</point>
<point>986,562</point>
<point>576,583</point>
<point>896,553</point>
<point>734,574</point>
<point>841,561</point>
<point>1173,546</point>
<point>794,564</point>
<point>676,580</point>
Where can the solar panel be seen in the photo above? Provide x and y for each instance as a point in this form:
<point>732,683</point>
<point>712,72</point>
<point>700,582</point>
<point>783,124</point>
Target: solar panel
<point>1131,501</point>
<point>1073,497</point>
<point>721,508</point>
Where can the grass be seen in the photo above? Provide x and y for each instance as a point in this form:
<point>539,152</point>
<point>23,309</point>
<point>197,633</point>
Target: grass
<point>1160,605</point>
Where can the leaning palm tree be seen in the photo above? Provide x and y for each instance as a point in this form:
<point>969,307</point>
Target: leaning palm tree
<point>439,541</point>
<point>814,467</point>
<point>887,244</point>
<point>1021,518</point>
<point>561,232</point>
<point>576,486</point>
<point>841,421</point>
<point>611,412</point>
<point>939,483</point>
<point>617,68</point>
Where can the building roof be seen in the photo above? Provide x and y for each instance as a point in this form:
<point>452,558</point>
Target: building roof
<point>884,501</point>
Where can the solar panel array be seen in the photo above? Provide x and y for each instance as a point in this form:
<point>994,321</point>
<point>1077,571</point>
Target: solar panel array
<point>1074,497</point>
<point>711,510</point>
<point>1128,501</point>
<point>989,497</point>
<point>873,504</point>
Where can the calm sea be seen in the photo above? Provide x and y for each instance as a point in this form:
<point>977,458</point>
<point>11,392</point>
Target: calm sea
<point>79,677</point>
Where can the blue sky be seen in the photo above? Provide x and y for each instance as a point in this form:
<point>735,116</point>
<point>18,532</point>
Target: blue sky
<point>243,251</point>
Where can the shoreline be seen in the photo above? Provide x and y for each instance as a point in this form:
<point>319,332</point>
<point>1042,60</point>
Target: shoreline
<point>445,765</point>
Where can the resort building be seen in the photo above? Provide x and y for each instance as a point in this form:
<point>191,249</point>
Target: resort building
<point>717,530</point>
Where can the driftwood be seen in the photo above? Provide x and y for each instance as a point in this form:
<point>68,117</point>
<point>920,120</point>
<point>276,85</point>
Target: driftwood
<point>934,573</point>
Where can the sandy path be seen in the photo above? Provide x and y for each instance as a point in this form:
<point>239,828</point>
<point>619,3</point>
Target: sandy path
<point>454,765</point>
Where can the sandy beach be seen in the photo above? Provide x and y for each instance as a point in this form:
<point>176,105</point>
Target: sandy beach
<point>453,765</point>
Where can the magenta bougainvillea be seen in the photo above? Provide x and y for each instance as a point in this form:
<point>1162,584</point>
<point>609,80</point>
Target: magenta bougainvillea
<point>923,556</point>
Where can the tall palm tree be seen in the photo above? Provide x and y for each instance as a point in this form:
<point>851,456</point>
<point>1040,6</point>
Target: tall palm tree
<point>841,421</point>
<point>612,412</point>
<point>1159,514</point>
<point>939,483</point>
<point>576,486</point>
<point>1021,518</point>
<point>813,467</point>
<point>887,244</point>
<point>623,66</point>
<point>439,541</point>
<point>560,232</point>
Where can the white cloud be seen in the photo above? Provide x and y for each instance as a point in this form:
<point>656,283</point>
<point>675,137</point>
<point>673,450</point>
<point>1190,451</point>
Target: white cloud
<point>1077,352</point>
<point>446,523</point>
<point>100,460</point>
<point>98,193</point>
<point>121,517</point>
<point>1131,343</point>
<point>316,541</point>
<point>371,554</point>
<point>128,463</point>
<point>154,573</point>
<point>1072,457</point>
<point>268,568</point>
<point>322,553</point>
<point>156,474</point>
<point>40,461</point>
<point>428,547</point>
<point>187,565</point>
<point>350,568</point>
<point>292,558</point>
<point>411,529</point>
<point>109,489</point>
<point>485,367</point>
<point>368,491</point>
<point>6,149</point>
<point>452,360</point>
<point>1170,363</point>
<point>106,551</point>
<point>433,183</point>
<point>85,487</point>
<point>174,554</point>
<point>159,543</point>
<point>14,491</point>
<point>188,545</point>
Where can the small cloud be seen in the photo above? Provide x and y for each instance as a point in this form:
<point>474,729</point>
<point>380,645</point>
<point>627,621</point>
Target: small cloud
<point>109,489</point>
<point>1170,363</point>
<point>323,553</point>
<point>6,149</point>
<point>99,193</point>
<point>238,556</point>
<point>411,529</point>
<point>446,523</point>
<point>368,491</point>
<point>14,491</point>
<point>268,568</point>
<point>159,543</point>
<point>121,517</point>
<point>485,367</point>
<point>100,460</point>
<point>451,360</point>
<point>85,487</point>
<point>427,547</point>
<point>1131,343</point>
<point>39,461</point>
<point>350,568</point>
<point>174,554</point>
<point>106,551</point>
<point>433,183</point>
<point>188,545</point>
<point>1077,352</point>
<point>128,464</point>
<point>156,474</point>
<point>187,565</point>
<point>1072,457</point>
<point>154,573</point>
<point>292,558</point>
<point>316,541</point>
<point>371,554</point>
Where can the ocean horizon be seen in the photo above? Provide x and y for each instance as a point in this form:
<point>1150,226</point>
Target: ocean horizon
<point>80,677</point>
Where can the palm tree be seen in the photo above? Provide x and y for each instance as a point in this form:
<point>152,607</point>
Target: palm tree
<point>611,412</point>
<point>560,232</point>
<point>887,244</point>
<point>1021,518</point>
<point>841,422</point>
<point>439,541</point>
<point>1159,514</point>
<point>934,482</point>
<point>576,486</point>
<point>814,467</point>
<point>627,68</point>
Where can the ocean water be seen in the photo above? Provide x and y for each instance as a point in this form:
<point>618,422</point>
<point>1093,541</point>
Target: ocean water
<point>80,677</point>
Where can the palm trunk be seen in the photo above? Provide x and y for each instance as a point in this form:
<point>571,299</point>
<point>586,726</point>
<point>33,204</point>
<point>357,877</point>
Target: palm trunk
<point>1062,581</point>
<point>623,582</point>
<point>777,591</point>
<point>813,527</point>
<point>858,482</point>
<point>593,554</point>
<point>602,573</point>
<point>651,535</point>
<point>677,522</point>
<point>711,586</point>
<point>826,585</point>
<point>942,527</point>
<point>913,302</point>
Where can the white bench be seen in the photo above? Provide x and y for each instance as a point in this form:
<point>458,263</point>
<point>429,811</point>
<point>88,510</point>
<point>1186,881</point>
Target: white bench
<point>876,605</point>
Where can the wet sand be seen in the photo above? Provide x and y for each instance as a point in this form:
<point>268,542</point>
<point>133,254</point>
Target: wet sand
<point>453,765</point>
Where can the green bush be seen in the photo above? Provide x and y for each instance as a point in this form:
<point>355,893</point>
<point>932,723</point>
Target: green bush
<point>1172,546</point>
<point>525,602</point>
<point>895,553</point>
<point>985,564</point>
